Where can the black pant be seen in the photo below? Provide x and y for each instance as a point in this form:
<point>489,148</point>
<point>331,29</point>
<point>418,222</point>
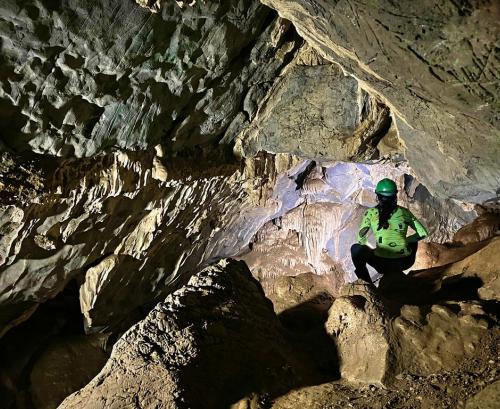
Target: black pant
<point>363,255</point>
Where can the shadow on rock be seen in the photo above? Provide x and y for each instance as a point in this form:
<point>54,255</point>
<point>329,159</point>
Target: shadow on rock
<point>214,343</point>
<point>305,324</point>
<point>425,288</point>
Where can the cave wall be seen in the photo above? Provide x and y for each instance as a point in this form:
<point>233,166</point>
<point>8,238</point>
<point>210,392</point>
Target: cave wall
<point>436,65</point>
<point>313,110</point>
<point>133,154</point>
<point>135,104</point>
<point>128,237</point>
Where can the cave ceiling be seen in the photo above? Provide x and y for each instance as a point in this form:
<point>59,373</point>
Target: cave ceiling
<point>81,78</point>
<point>436,64</point>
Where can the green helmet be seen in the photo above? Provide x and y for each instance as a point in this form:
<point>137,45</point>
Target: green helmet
<point>386,187</point>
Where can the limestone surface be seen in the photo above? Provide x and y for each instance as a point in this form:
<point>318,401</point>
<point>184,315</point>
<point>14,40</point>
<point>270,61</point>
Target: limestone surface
<point>64,367</point>
<point>376,341</point>
<point>435,64</point>
<point>78,77</point>
<point>317,112</point>
<point>485,399</point>
<point>484,265</point>
<point>206,346</point>
<point>130,237</point>
<point>359,322</point>
<point>441,338</point>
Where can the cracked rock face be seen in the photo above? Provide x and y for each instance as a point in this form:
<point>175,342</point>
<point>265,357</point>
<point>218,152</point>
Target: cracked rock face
<point>436,65</point>
<point>206,345</point>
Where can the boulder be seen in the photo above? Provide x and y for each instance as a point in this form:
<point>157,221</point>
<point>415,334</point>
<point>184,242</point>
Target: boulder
<point>486,226</point>
<point>209,344</point>
<point>317,111</point>
<point>359,324</point>
<point>484,265</point>
<point>65,366</point>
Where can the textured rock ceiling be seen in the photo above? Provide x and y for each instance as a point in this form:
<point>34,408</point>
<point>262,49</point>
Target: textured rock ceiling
<point>436,64</point>
<point>78,77</point>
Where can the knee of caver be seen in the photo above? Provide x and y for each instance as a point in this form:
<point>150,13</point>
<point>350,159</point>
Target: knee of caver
<point>353,248</point>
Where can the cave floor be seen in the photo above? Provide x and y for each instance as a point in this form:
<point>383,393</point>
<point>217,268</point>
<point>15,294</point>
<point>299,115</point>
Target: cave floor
<point>447,389</point>
<point>453,389</point>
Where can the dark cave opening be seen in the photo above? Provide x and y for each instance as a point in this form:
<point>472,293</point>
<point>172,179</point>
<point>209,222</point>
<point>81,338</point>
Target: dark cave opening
<point>43,348</point>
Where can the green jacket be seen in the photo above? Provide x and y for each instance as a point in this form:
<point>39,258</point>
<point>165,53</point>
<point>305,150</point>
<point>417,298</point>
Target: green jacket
<point>391,242</point>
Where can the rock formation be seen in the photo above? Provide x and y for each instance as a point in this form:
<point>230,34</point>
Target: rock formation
<point>316,111</point>
<point>144,140</point>
<point>486,399</point>
<point>188,351</point>
<point>435,65</point>
<point>377,343</point>
<point>109,222</point>
<point>206,346</point>
<point>360,324</point>
<point>319,223</point>
<point>482,265</point>
<point>111,74</point>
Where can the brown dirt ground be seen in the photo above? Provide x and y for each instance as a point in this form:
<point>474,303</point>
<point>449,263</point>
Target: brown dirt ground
<point>446,390</point>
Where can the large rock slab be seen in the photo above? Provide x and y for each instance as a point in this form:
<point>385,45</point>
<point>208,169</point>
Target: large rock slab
<point>486,226</point>
<point>207,345</point>
<point>435,64</point>
<point>484,265</point>
<point>64,367</point>
<point>316,112</point>
<point>438,337</point>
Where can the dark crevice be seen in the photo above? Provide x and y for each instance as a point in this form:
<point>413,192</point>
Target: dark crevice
<point>302,176</point>
<point>368,150</point>
<point>55,321</point>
